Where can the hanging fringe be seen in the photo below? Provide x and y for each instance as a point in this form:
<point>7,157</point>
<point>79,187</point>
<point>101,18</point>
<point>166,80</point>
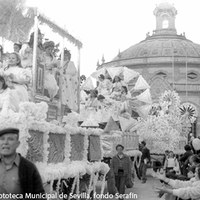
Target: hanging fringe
<point>78,185</point>
<point>58,186</point>
<point>95,182</point>
<point>73,186</point>
<point>51,186</point>
<point>103,185</point>
<point>90,184</point>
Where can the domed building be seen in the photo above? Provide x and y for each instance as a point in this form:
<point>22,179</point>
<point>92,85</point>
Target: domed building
<point>168,61</point>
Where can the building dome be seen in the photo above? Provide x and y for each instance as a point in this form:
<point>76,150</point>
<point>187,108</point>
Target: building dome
<point>161,46</point>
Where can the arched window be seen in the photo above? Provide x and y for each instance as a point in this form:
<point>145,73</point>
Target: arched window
<point>165,24</point>
<point>164,75</point>
<point>192,75</point>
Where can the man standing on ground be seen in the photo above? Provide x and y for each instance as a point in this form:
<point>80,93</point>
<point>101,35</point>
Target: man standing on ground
<point>17,174</point>
<point>121,169</point>
<point>144,161</point>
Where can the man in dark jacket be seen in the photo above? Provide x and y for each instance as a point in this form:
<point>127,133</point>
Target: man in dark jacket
<point>145,159</point>
<point>121,169</point>
<point>17,174</point>
<point>184,160</point>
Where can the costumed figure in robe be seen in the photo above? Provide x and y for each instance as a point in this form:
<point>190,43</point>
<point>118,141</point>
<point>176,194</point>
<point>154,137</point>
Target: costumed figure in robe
<point>26,51</point>
<point>105,86</point>
<point>117,88</point>
<point>17,78</point>
<point>50,62</point>
<point>104,110</point>
<point>69,82</point>
<point>17,47</point>
<point>124,107</point>
<point>3,58</point>
<point>8,98</point>
<point>91,107</point>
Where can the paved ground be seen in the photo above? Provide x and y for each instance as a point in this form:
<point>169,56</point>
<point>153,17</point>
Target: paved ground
<point>145,191</point>
<point>142,191</point>
<point>139,191</point>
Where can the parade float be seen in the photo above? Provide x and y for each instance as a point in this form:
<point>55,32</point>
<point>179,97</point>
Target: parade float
<point>65,154</point>
<point>167,126</point>
<point>68,146</point>
<point>115,113</point>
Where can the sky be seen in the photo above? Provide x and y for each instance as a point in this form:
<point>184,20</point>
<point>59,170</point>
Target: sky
<point>107,26</point>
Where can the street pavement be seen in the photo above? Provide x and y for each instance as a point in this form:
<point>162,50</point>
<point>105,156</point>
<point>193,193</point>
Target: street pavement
<point>145,191</point>
<point>141,191</point>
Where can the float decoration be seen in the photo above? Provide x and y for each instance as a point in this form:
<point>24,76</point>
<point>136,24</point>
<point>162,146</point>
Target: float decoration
<point>190,110</point>
<point>163,126</point>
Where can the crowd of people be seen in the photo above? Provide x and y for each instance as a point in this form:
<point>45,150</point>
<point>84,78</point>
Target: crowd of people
<point>179,174</point>
<point>16,73</point>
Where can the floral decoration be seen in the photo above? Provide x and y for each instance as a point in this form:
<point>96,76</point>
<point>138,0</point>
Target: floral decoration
<point>190,110</point>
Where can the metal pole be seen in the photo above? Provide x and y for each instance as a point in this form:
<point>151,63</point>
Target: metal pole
<point>60,111</point>
<point>173,69</point>
<point>186,66</point>
<point>35,46</point>
<point>79,81</point>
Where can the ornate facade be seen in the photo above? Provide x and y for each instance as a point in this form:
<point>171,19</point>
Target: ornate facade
<point>166,60</point>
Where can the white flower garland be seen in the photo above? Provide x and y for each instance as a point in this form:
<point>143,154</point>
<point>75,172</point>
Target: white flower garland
<point>86,146</point>
<point>46,147</point>
<point>67,150</point>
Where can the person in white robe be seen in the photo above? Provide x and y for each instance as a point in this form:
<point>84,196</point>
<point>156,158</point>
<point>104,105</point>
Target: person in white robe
<point>69,83</point>
<point>8,98</point>
<point>50,63</point>
<point>26,51</point>
<point>117,88</point>
<point>17,78</point>
<point>105,86</point>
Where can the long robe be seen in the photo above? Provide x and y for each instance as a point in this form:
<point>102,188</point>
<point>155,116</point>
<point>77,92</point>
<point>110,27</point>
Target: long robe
<point>70,87</point>
<point>20,74</point>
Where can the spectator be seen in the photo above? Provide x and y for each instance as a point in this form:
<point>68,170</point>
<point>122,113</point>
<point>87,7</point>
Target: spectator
<point>17,174</point>
<point>182,189</point>
<point>184,159</point>
<point>145,160</point>
<point>121,168</point>
<point>193,161</point>
<point>171,163</point>
<point>165,156</point>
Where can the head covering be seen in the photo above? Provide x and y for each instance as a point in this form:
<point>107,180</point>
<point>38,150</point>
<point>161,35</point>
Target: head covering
<point>95,92</point>
<point>102,76</point>
<point>48,44</point>
<point>144,143</point>
<point>19,44</point>
<point>9,131</point>
<point>120,145</point>
<point>100,97</point>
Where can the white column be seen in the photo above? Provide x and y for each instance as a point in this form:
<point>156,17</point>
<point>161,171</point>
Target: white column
<point>60,112</point>
<point>78,89</point>
<point>35,46</point>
